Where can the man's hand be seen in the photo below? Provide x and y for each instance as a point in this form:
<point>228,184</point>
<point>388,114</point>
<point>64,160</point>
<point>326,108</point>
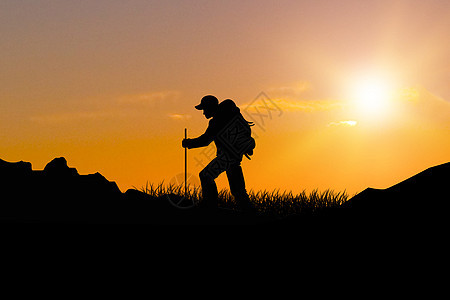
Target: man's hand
<point>186,143</point>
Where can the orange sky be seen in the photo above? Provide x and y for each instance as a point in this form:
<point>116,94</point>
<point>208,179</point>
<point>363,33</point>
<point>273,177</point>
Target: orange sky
<point>359,90</point>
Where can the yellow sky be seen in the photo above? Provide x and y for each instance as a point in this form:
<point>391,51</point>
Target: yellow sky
<point>358,91</point>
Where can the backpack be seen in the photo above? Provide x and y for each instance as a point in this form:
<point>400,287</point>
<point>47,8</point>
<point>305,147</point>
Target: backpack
<point>236,134</point>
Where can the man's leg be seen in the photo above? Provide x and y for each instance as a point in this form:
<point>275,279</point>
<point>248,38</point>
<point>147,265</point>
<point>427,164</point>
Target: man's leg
<point>237,187</point>
<point>209,188</point>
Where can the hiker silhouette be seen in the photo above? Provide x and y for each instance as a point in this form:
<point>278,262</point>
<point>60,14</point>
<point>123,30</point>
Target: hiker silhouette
<point>232,135</point>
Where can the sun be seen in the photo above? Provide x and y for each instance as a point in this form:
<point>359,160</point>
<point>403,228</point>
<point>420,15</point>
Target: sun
<point>371,96</point>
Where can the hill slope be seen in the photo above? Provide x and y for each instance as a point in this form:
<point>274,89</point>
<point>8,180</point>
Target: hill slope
<point>423,195</point>
<point>59,194</point>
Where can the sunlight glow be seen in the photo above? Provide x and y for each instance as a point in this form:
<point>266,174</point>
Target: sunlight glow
<point>371,96</point>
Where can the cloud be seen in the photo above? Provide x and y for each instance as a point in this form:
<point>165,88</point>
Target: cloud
<point>411,94</point>
<point>291,98</point>
<point>291,91</point>
<point>67,117</point>
<point>421,108</point>
<point>308,105</point>
<point>102,108</point>
<point>293,105</point>
<point>349,123</point>
<point>150,98</point>
<point>179,117</point>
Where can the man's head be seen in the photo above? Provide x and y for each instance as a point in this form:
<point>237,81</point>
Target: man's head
<point>209,104</point>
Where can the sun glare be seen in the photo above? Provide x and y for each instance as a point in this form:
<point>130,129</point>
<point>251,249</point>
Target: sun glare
<point>371,96</point>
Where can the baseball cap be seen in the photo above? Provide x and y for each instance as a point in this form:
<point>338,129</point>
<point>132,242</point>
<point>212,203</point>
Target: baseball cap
<point>207,101</point>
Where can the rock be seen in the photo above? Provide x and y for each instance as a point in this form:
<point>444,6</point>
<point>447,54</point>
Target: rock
<point>97,186</point>
<point>59,167</point>
<point>56,194</point>
<point>8,169</point>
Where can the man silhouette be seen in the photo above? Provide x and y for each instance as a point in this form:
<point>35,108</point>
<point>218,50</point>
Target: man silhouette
<point>226,119</point>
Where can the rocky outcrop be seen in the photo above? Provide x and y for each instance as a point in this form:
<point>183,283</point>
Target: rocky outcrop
<point>58,167</point>
<point>8,169</point>
<point>57,193</point>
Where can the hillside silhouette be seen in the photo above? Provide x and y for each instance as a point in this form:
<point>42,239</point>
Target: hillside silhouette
<point>421,197</point>
<point>59,194</point>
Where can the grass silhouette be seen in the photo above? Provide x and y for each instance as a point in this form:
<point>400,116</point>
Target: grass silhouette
<point>268,202</point>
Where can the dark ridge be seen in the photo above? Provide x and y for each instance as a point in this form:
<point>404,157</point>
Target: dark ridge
<point>422,197</point>
<point>58,194</point>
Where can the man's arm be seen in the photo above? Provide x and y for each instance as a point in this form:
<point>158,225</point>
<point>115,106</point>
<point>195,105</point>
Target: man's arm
<point>201,141</point>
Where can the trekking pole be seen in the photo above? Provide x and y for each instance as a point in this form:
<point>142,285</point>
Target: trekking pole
<point>185,165</point>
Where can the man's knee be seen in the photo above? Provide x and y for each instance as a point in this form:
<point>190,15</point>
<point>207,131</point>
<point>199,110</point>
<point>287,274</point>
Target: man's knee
<point>205,176</point>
